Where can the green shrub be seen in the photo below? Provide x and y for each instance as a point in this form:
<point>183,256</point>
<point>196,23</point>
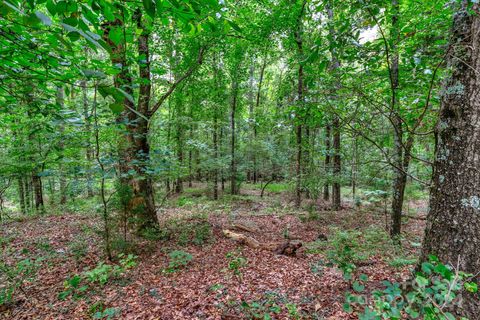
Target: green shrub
<point>178,260</point>
<point>12,278</point>
<point>101,274</point>
<point>344,252</point>
<point>433,292</point>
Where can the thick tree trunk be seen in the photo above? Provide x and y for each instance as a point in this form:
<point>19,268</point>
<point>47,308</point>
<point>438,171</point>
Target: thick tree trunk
<point>134,150</point>
<point>38,191</point>
<point>453,225</point>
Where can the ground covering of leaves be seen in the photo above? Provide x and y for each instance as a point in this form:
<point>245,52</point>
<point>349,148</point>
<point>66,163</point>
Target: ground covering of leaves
<point>302,287</point>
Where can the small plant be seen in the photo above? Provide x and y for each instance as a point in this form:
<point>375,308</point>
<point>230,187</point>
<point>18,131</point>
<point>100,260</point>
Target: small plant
<point>433,292</point>
<point>101,274</point>
<point>178,260</point>
<point>235,262</point>
<point>106,313</point>
<point>272,305</point>
<point>72,287</point>
<point>344,252</point>
<point>292,311</point>
<point>12,278</point>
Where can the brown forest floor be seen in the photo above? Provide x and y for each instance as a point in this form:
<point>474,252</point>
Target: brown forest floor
<point>206,289</point>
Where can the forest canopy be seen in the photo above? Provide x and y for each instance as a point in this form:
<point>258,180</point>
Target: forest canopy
<point>339,136</point>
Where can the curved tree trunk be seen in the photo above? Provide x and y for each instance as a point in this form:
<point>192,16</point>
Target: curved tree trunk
<point>453,224</point>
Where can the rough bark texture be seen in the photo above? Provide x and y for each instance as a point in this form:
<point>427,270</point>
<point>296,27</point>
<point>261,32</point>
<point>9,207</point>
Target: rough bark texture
<point>453,224</point>
<point>134,149</point>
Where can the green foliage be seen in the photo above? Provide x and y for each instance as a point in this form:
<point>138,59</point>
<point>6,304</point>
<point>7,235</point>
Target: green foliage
<point>272,305</point>
<point>344,254</point>
<point>12,278</point>
<point>178,260</point>
<point>434,291</point>
<point>236,262</point>
<point>78,284</point>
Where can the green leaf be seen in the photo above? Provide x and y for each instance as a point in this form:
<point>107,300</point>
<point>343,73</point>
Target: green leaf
<point>471,287</point>
<point>234,26</point>
<point>116,107</point>
<point>347,307</point>
<point>45,20</point>
<point>116,35</point>
<point>358,287</point>
<point>150,8</point>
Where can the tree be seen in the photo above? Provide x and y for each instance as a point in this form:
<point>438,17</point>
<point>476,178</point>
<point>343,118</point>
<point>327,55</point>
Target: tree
<point>454,219</point>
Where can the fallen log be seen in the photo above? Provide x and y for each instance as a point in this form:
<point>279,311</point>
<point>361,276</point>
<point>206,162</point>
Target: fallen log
<point>288,248</point>
<point>245,227</point>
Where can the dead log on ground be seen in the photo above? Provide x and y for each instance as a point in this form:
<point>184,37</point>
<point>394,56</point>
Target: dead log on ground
<point>288,248</point>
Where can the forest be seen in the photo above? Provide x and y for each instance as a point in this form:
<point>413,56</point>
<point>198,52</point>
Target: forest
<point>240,159</point>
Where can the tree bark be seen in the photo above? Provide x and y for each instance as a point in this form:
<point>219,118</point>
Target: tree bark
<point>335,65</point>
<point>38,190</point>
<point>326,187</point>
<point>21,195</point>
<point>453,222</point>
<point>134,149</point>
<point>233,163</point>
<point>88,133</point>
<point>400,179</point>
<point>336,191</point>
<point>61,146</point>
<point>300,99</point>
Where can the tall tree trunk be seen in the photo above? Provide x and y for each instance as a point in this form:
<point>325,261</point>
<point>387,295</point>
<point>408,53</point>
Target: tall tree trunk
<point>251,116</point>
<point>326,187</point>
<point>38,190</point>
<point>21,195</point>
<point>143,184</point>
<point>28,192</point>
<point>222,178</point>
<point>88,133</point>
<point>335,65</point>
<point>257,105</point>
<point>61,146</point>
<point>400,178</point>
<point>336,195</point>
<point>134,149</point>
<point>298,118</point>
<point>453,222</point>
<point>179,138</point>
<point>215,133</point>
<point>233,163</point>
